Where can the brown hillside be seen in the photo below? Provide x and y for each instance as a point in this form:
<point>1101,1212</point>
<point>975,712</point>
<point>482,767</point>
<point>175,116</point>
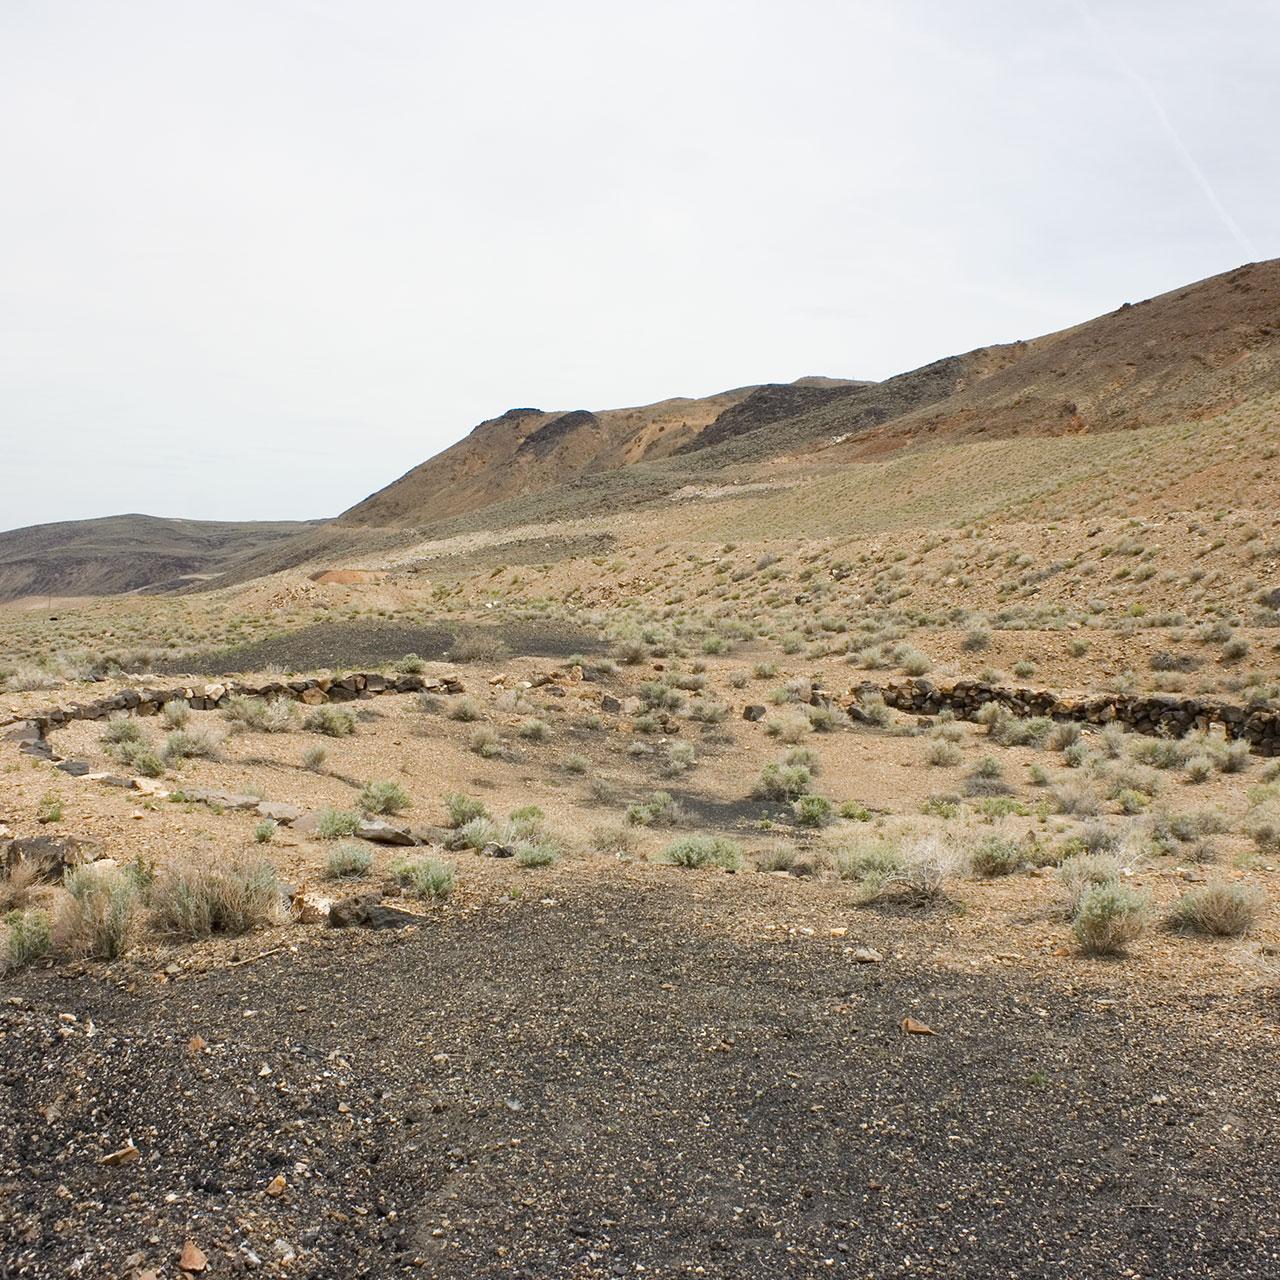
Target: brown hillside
<point>1182,356</point>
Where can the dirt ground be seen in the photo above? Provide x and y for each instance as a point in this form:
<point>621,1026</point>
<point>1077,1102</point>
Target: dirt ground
<point>609,1080</point>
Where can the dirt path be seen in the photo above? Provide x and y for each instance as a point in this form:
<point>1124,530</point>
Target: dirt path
<point>611,1088</point>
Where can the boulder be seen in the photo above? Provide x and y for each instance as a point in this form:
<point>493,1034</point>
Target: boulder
<point>50,855</point>
<point>754,711</point>
<point>365,911</point>
<point>380,832</point>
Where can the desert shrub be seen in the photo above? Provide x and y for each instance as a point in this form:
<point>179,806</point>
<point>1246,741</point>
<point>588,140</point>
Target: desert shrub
<point>313,758</point>
<point>782,782</point>
<point>409,665</point>
<point>484,742</point>
<point>575,762</point>
<point>1198,769</point>
<point>265,831</point>
<point>99,916</point>
<point>871,864</point>
<point>812,811</point>
<point>703,851</point>
<point>49,808</point>
<point>1108,917</point>
<point>942,754</point>
<point>476,646</point>
<point>194,900</point>
<point>1262,826</point>
<point>277,716</point>
<point>1234,757</point>
<point>821,719</point>
<point>925,864</point>
<point>681,757</point>
<point>776,857</point>
<point>534,730</point>
<point>1161,753</point>
<point>1222,910</point>
<point>119,730</point>
<point>631,652</point>
<point>1080,872</point>
<point>915,663</point>
<point>333,722</point>
<point>708,711</point>
<point>1024,668</point>
<point>139,757</point>
<point>28,678</point>
<point>175,713</point>
<point>462,809</point>
<point>203,741</point>
<point>466,710</point>
<point>26,939</point>
<point>426,877</point>
<point>877,711</point>
<point>996,856</point>
<point>541,852</point>
<point>1235,649</point>
<point>348,859</point>
<point>1077,797</point>
<point>1062,735</point>
<point>660,809</point>
<point>475,833</point>
<point>618,840</point>
<point>334,824</point>
<point>976,639</point>
<point>383,797</point>
<point>986,778</point>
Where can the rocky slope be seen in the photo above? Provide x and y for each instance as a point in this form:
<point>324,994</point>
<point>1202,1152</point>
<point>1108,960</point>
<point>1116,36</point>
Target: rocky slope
<point>1184,355</point>
<point>127,553</point>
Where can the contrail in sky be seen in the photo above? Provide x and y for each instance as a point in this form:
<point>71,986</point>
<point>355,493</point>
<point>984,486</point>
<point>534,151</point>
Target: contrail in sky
<point>1163,116</point>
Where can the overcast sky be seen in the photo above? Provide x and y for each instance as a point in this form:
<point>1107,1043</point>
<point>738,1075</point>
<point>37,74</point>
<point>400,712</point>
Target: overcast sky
<point>257,259</point>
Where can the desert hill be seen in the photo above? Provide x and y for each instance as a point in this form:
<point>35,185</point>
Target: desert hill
<point>1185,355</point>
<point>125,553</point>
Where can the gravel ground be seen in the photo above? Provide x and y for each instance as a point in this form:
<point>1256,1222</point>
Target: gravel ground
<point>617,1087</point>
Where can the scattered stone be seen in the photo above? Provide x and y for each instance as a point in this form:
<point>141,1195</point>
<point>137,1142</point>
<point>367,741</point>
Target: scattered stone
<point>51,855</point>
<point>913,1028</point>
<point>280,811</point>
<point>380,832</point>
<point>367,912</point>
<point>76,768</point>
<point>495,850</point>
<point>192,1258</point>
<point>867,955</point>
<point>754,711</point>
<point>126,1155</point>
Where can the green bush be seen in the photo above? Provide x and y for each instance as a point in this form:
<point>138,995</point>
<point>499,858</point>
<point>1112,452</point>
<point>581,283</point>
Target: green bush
<point>704,851</point>
<point>783,782</point>
<point>426,877</point>
<point>383,797</point>
<point>27,938</point>
<point>996,856</point>
<point>347,860</point>
<point>463,808</point>
<point>333,824</point>
<point>1108,918</point>
<point>812,811</point>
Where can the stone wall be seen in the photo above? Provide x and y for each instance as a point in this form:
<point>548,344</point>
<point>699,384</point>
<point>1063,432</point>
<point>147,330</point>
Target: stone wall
<point>1162,715</point>
<point>208,697</point>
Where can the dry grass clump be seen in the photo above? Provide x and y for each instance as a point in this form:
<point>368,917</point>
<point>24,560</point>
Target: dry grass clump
<point>333,722</point>
<point>101,913</point>
<point>915,872</point>
<point>1221,910</point>
<point>227,896</point>
<point>476,646</point>
<point>280,715</point>
<point>200,742</point>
